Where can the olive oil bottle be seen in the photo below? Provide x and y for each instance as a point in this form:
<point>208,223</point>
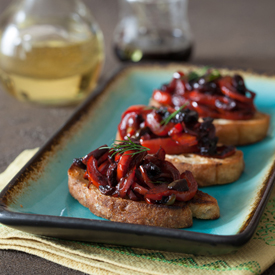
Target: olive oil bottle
<point>51,53</point>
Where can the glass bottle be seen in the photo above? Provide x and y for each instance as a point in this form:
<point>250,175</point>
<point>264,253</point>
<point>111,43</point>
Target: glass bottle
<point>153,30</point>
<point>51,51</point>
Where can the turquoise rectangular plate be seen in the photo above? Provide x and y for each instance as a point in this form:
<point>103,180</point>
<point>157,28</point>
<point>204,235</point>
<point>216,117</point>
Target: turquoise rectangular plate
<point>37,200</point>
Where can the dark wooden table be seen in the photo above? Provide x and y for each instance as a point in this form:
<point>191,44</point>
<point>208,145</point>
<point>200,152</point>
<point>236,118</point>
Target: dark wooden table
<point>230,33</point>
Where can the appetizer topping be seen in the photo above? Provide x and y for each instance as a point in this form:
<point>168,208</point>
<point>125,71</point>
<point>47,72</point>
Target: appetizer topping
<point>176,131</point>
<point>208,93</point>
<point>136,175</point>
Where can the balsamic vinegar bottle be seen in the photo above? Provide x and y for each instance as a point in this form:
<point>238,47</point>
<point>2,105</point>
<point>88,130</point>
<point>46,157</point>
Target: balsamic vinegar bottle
<point>153,30</point>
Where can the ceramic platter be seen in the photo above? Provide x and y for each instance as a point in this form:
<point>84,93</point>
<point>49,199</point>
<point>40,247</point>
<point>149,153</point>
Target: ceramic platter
<point>37,199</point>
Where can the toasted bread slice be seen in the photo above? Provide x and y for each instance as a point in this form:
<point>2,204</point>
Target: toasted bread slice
<point>210,171</point>
<point>238,132</point>
<point>242,132</point>
<point>206,170</point>
<point>179,215</point>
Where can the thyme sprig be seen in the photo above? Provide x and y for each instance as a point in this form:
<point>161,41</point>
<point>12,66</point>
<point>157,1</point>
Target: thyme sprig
<point>167,119</point>
<point>122,146</point>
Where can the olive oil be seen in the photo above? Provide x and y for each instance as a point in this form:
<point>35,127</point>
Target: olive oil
<point>53,72</point>
<point>51,52</point>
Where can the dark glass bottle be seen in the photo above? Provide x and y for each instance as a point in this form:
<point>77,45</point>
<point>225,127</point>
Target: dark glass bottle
<point>153,30</point>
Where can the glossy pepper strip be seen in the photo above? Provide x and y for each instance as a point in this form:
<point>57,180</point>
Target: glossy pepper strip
<point>94,175</point>
<point>129,119</point>
<point>227,88</point>
<point>128,161</point>
<point>162,97</point>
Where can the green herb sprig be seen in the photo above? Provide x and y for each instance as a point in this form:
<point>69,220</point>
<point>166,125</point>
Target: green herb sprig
<point>167,119</point>
<point>209,73</point>
<point>122,146</point>
<point>214,74</point>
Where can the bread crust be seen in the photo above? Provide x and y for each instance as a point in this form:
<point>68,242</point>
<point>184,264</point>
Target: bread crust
<point>210,171</point>
<point>238,132</point>
<point>242,132</point>
<point>204,206</point>
<point>116,209</point>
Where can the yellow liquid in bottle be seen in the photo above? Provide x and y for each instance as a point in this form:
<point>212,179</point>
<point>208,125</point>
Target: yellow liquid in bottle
<point>52,72</point>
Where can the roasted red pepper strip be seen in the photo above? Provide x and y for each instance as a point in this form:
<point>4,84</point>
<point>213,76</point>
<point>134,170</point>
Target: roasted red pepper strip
<point>139,189</point>
<point>179,100</point>
<point>127,161</point>
<point>103,167</point>
<point>177,129</point>
<point>170,146</point>
<point>153,121</point>
<point>204,111</point>
<point>130,114</point>
<point>205,99</point>
<point>162,97</point>
<point>123,164</point>
<point>94,175</point>
<point>185,139</point>
<point>129,124</point>
<point>227,88</point>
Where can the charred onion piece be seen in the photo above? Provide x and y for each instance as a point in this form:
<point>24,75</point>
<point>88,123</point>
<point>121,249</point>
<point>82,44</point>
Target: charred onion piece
<point>96,154</point>
<point>111,174</point>
<point>125,183</point>
<point>179,185</point>
<point>94,175</point>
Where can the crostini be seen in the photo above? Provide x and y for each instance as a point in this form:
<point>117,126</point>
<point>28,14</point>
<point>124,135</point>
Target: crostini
<point>224,98</point>
<point>188,143</point>
<point>126,184</point>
